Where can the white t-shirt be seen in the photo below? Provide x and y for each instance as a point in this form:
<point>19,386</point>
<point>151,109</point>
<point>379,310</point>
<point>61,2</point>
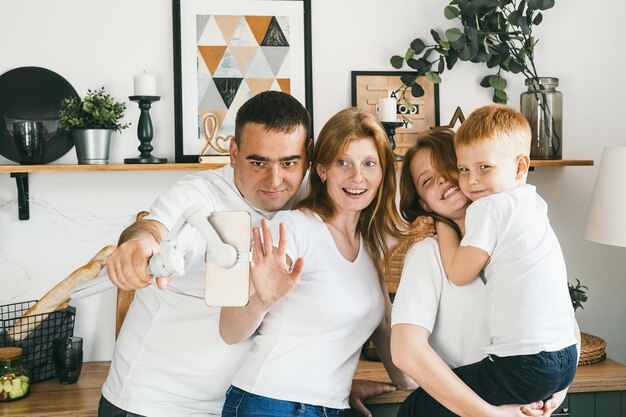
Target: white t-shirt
<point>308,345</point>
<point>169,359</point>
<point>455,316</point>
<point>529,305</point>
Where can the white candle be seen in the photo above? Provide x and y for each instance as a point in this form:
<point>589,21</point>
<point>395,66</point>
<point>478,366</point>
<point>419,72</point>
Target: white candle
<point>144,84</point>
<point>387,109</point>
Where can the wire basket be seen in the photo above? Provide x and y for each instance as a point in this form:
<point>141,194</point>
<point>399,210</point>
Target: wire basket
<point>35,335</point>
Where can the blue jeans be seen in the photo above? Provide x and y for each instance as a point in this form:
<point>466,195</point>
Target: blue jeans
<point>504,380</point>
<point>240,403</point>
<point>106,409</point>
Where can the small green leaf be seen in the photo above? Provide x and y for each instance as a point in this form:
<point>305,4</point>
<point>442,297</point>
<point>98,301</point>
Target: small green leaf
<point>444,44</point>
<point>538,19</point>
<point>417,90</point>
<point>451,59</point>
<point>442,66</point>
<point>454,34</point>
<point>451,12</point>
<point>435,35</point>
<point>501,96</point>
<point>412,63</point>
<point>397,61</point>
<point>418,45</point>
<point>408,79</point>
<point>546,4</point>
<point>433,76</point>
<point>485,81</point>
<point>514,18</point>
<point>423,63</point>
<point>497,82</point>
<point>410,53</point>
<point>523,24</point>
<point>465,53</point>
<point>458,44</point>
<point>515,67</point>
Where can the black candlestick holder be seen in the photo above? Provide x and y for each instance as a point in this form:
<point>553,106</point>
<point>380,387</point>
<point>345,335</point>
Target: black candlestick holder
<point>144,132</point>
<point>390,129</point>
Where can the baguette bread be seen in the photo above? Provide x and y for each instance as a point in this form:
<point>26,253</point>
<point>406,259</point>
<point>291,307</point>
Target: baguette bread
<point>58,297</point>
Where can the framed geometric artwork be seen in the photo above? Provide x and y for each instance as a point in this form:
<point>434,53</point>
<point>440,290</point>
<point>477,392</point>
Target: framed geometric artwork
<point>418,113</point>
<point>225,52</point>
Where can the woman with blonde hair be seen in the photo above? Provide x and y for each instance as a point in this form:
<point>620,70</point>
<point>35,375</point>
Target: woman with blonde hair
<point>319,294</point>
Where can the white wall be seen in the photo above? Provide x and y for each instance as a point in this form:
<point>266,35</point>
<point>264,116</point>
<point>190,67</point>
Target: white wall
<point>104,43</point>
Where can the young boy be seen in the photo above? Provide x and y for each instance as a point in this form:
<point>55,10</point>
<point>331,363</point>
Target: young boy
<point>507,234</point>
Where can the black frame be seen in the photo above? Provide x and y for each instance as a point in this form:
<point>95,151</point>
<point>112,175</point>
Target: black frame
<point>180,157</point>
<point>355,74</point>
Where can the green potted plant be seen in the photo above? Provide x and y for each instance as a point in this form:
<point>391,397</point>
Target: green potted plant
<point>578,294</point>
<point>498,34</point>
<point>92,121</point>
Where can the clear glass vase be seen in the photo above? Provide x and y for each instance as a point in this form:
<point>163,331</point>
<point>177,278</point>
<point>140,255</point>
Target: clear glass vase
<point>542,105</point>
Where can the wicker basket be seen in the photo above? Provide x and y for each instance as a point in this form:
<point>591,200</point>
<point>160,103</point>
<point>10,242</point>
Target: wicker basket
<point>592,349</point>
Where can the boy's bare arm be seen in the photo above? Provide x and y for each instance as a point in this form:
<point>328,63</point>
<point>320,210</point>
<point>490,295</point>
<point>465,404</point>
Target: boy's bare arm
<point>461,263</point>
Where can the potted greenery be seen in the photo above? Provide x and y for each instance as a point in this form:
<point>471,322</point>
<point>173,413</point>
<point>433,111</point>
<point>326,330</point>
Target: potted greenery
<point>578,294</point>
<point>92,121</point>
<point>498,34</point>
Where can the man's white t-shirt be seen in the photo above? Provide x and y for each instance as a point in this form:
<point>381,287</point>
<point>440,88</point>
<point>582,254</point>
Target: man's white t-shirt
<point>307,347</point>
<point>529,307</point>
<point>169,359</point>
<point>455,316</point>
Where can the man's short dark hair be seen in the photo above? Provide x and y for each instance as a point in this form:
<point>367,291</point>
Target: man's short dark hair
<point>275,110</point>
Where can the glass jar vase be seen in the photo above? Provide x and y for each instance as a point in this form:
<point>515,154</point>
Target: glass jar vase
<point>14,378</point>
<point>542,105</point>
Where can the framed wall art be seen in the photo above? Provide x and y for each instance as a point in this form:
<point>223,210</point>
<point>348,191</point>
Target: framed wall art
<point>418,113</point>
<point>227,51</point>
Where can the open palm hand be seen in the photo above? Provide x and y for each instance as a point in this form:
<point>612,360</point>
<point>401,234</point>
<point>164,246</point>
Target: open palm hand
<point>271,272</point>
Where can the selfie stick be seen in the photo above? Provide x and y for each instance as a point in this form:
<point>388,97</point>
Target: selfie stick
<point>168,261</point>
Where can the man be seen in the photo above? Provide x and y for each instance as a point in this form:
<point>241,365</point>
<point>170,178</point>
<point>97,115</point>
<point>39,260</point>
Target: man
<point>169,359</point>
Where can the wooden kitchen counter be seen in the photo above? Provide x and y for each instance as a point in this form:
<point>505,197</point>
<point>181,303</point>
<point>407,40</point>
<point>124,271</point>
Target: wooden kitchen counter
<point>53,399</point>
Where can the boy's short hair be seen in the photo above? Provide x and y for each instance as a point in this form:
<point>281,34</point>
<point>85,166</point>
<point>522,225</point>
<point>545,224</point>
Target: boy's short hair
<point>275,110</point>
<point>495,122</point>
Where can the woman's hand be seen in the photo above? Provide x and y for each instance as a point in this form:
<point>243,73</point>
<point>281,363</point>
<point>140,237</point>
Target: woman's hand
<point>270,273</point>
<point>534,409</point>
<point>272,280</point>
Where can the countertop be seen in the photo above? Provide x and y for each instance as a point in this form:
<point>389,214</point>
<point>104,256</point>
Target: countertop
<point>53,399</point>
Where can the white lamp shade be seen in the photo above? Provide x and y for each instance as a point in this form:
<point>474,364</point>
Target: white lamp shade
<point>606,222</point>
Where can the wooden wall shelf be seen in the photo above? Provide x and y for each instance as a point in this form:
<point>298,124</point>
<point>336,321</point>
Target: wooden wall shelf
<point>20,172</point>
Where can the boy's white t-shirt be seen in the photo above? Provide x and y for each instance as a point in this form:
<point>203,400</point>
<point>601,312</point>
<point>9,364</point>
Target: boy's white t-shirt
<point>307,347</point>
<point>169,358</point>
<point>455,316</point>
<point>529,307</point>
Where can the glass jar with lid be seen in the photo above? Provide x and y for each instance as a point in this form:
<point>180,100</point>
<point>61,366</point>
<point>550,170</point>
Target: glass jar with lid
<point>14,377</point>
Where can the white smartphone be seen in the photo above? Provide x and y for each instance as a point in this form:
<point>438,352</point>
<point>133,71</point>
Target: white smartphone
<point>230,287</point>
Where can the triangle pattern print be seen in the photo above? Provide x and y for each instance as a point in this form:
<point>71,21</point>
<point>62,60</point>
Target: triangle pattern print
<point>228,25</point>
<point>208,32</point>
<point>258,26</point>
<point>212,56</point>
<point>274,35</point>
<point>227,87</point>
<point>238,57</point>
<point>275,56</point>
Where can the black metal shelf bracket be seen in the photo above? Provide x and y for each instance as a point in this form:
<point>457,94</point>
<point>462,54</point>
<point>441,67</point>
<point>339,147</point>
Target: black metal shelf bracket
<point>21,178</point>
